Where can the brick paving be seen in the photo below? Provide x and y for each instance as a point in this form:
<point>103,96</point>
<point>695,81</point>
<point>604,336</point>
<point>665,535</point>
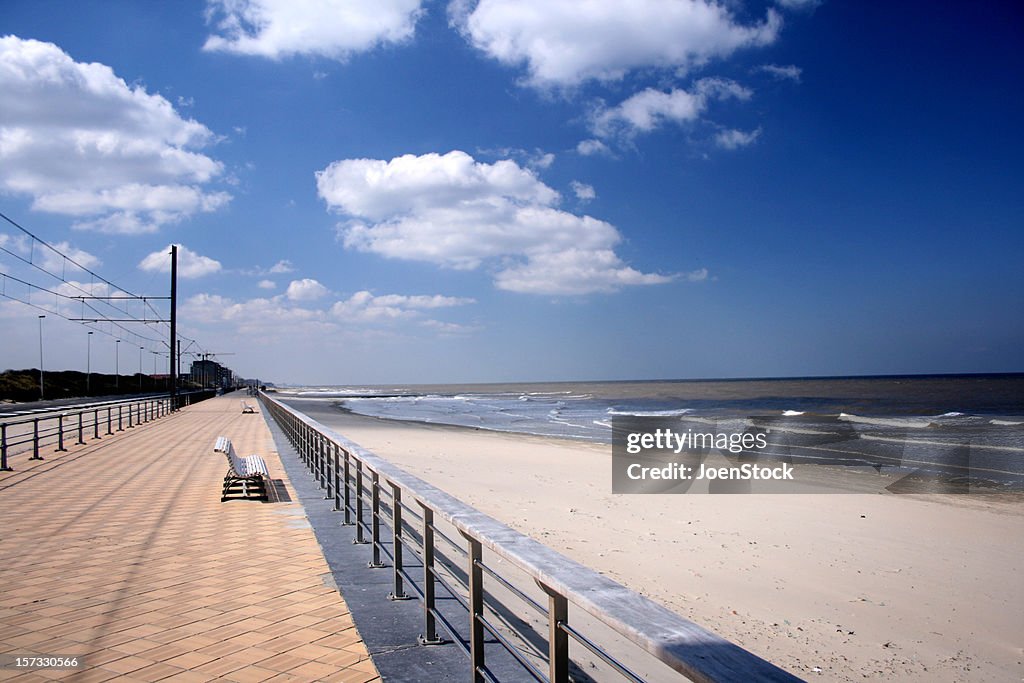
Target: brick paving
<point>120,552</point>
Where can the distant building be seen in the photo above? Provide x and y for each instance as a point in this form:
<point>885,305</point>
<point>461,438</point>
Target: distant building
<point>211,374</point>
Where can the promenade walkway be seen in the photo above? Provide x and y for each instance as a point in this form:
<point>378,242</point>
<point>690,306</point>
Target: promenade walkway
<point>120,552</point>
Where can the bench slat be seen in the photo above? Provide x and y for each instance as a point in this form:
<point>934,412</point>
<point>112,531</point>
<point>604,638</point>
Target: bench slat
<point>249,472</point>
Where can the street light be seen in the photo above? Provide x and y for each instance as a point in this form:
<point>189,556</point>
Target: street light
<point>88,363</point>
<point>41,357</point>
<point>156,356</point>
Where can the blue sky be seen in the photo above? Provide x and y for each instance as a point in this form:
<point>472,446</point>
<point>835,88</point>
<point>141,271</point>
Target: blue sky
<point>396,191</point>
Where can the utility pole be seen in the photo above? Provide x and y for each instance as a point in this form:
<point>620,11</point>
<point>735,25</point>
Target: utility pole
<point>88,363</point>
<point>41,357</point>
<point>117,363</point>
<point>173,371</point>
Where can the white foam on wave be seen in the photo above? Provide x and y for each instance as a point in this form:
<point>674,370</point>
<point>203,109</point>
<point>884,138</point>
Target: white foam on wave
<point>913,423</point>
<point>650,413</point>
<point>1005,423</point>
<point>792,413</point>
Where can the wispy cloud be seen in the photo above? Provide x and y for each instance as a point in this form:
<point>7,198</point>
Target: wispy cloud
<point>790,72</point>
<point>652,108</point>
<point>303,315</point>
<point>583,192</point>
<point>735,139</point>
<point>592,147</point>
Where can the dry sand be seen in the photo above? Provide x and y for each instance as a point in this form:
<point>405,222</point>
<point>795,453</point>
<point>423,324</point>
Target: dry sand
<point>844,586</point>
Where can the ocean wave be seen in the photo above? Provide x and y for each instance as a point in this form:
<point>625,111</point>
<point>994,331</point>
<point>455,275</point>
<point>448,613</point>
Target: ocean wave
<point>792,413</point>
<point>1005,423</point>
<point>910,422</point>
<point>650,413</point>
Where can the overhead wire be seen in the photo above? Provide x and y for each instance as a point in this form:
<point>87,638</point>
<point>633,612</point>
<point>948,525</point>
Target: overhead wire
<point>87,296</point>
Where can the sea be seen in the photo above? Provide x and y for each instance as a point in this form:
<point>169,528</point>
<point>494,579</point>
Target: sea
<point>926,420</point>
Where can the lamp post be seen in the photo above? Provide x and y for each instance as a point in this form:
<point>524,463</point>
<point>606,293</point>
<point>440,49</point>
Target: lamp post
<point>41,357</point>
<point>141,349</point>
<point>117,363</point>
<point>88,363</point>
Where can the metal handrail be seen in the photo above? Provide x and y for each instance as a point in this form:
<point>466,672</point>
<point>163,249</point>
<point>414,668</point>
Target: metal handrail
<point>682,645</point>
<point>62,422</point>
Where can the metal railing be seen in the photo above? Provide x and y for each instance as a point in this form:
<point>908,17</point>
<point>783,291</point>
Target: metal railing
<point>395,512</point>
<point>62,426</point>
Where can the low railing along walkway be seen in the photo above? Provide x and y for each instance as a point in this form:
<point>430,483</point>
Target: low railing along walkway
<point>498,595</point>
<point>60,426</point>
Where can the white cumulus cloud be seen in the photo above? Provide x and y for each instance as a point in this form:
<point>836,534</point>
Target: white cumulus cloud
<point>326,28</point>
<point>651,108</point>
<point>306,289</point>
<point>454,211</point>
<point>566,42</point>
<point>81,142</point>
<point>190,264</point>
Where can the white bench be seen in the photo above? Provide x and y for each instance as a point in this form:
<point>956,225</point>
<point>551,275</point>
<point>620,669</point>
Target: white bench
<point>246,477</point>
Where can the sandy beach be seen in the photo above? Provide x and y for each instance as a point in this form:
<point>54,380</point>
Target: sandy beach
<point>845,587</point>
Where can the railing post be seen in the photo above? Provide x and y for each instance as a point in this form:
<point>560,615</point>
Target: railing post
<point>96,423</point>
<point>120,426</point>
<point>396,542</point>
<point>558,639</point>
<point>35,440</point>
<point>109,421</point>
<point>321,462</point>
<point>333,487</point>
<point>347,504</point>
<point>375,520</point>
<point>305,445</point>
<point>359,503</point>
<point>429,636</point>
<point>4,467</point>
<point>476,608</point>
<point>81,432</point>
<point>130,425</point>
<point>60,433</point>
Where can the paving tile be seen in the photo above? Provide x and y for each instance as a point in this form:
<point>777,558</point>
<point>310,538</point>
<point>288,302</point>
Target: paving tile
<point>251,674</point>
<point>148,575</point>
<point>156,672</point>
